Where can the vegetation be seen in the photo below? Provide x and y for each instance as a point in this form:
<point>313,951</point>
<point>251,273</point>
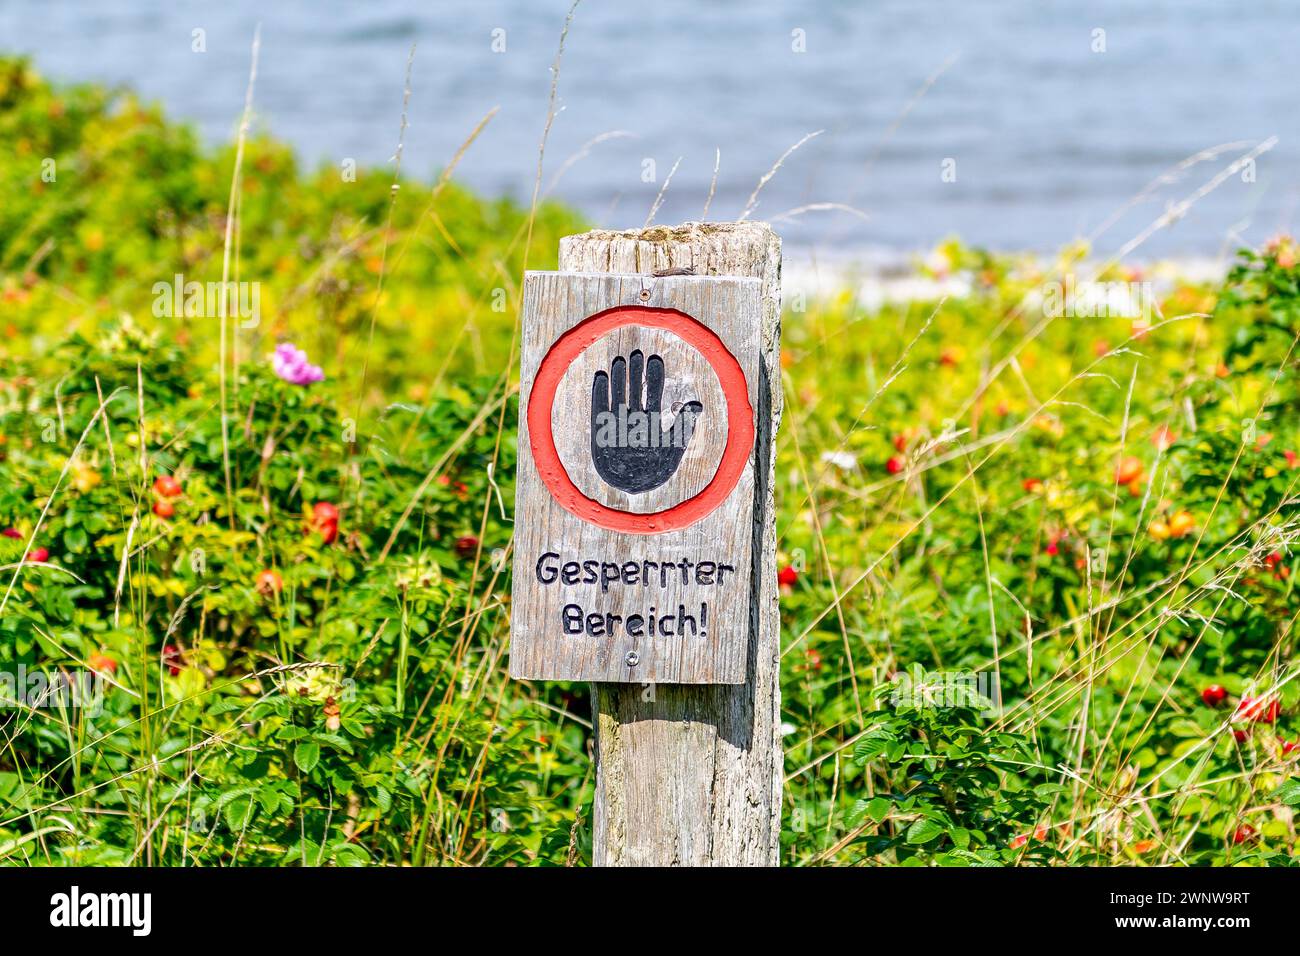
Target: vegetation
<point>294,584</point>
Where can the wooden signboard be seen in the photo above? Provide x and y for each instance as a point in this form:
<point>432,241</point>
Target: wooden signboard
<point>634,518</point>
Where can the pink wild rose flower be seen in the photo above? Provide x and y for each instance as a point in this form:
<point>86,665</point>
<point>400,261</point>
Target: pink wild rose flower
<point>290,363</point>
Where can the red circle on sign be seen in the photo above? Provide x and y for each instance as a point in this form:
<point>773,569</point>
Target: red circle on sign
<point>740,420</point>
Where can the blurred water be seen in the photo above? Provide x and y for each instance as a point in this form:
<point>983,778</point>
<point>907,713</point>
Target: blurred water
<point>1049,137</point>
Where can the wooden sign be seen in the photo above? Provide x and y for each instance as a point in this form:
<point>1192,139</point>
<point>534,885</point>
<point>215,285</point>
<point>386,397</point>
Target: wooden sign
<point>634,517</point>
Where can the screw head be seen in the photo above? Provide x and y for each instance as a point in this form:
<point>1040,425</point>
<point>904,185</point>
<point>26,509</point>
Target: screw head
<point>632,659</point>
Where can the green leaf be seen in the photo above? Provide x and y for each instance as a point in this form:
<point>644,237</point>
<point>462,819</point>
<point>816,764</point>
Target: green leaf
<point>305,852</point>
<point>76,540</point>
<point>225,798</point>
<point>856,813</point>
<point>872,745</point>
<point>1289,791</point>
<point>336,741</point>
<point>878,809</point>
<point>238,813</point>
<point>350,854</point>
<point>923,831</point>
<point>306,754</point>
<point>269,798</point>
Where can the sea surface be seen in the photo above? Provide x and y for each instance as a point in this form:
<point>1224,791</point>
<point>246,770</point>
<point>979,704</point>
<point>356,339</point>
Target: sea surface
<point>1016,125</point>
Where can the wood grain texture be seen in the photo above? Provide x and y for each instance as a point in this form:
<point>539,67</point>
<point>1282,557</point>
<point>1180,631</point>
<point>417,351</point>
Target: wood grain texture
<point>585,598</point>
<point>692,775</point>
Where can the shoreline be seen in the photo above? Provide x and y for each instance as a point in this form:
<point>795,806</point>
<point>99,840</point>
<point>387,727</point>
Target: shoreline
<point>880,276</point>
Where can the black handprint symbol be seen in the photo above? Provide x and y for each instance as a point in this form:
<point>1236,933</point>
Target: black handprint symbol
<point>629,447</point>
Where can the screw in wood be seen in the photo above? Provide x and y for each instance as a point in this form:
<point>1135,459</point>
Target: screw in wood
<point>632,659</point>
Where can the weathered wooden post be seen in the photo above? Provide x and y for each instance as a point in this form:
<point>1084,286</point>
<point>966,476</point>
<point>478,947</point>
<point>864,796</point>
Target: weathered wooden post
<point>645,538</point>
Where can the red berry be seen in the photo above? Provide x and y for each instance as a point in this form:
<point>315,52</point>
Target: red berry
<point>38,554</point>
<point>787,576</point>
<point>1259,711</point>
<point>1288,746</point>
<point>11,533</point>
<point>102,663</point>
<point>171,656</point>
<point>467,546</point>
<point>1244,833</point>
<point>894,465</point>
<point>167,487</point>
<point>269,582</point>
<point>325,520</point>
<point>164,509</point>
<point>1213,695</point>
<point>900,442</point>
<point>1128,470</point>
<point>1241,736</point>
